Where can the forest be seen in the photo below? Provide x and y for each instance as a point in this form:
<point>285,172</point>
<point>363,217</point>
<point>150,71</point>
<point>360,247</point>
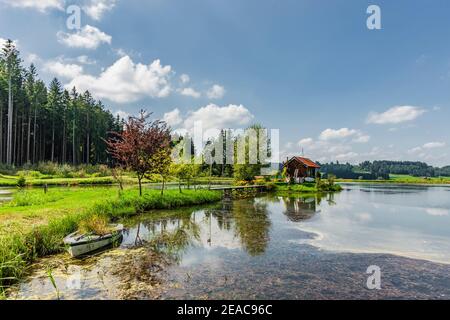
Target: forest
<point>39,124</point>
<point>368,170</point>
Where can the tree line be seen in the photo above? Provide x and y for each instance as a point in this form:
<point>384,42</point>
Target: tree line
<point>40,123</point>
<point>368,170</point>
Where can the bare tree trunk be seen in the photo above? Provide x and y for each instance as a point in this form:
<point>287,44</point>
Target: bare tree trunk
<point>29,137</point>
<point>63,157</point>
<point>34,135</point>
<point>14,147</point>
<point>43,144</point>
<point>10,123</point>
<point>88,142</point>
<point>163,185</point>
<point>53,140</point>
<point>21,140</point>
<point>74,160</point>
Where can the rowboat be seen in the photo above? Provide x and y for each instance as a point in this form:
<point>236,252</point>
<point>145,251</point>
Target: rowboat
<point>83,244</point>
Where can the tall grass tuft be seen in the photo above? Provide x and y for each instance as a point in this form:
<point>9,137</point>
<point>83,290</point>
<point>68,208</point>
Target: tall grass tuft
<point>25,198</point>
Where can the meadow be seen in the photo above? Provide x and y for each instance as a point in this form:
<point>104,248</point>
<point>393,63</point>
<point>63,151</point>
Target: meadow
<point>403,179</point>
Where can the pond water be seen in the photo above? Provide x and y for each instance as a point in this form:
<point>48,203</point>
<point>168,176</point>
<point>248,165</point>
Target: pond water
<point>6,195</point>
<point>270,247</point>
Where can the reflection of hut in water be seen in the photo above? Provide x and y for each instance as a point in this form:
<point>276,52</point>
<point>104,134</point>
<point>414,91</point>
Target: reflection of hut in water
<point>298,209</point>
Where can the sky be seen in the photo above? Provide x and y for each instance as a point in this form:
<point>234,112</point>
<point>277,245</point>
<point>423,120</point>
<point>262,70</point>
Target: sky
<point>336,90</point>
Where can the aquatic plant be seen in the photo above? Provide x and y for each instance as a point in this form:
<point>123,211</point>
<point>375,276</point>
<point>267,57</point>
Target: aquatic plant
<point>52,280</point>
<point>95,224</point>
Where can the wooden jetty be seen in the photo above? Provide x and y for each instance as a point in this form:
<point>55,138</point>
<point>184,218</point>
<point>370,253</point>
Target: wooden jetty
<point>228,190</point>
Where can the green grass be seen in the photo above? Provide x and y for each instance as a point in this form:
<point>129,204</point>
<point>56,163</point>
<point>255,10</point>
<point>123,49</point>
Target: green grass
<point>40,180</point>
<point>11,181</point>
<point>305,188</point>
<point>406,179</point>
<point>36,227</point>
<point>24,198</point>
<point>308,187</point>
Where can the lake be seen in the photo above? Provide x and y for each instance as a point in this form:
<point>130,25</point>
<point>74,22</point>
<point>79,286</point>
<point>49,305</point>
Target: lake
<point>270,247</point>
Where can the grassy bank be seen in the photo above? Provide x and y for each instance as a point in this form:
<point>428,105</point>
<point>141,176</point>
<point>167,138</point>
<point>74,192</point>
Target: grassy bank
<point>307,188</point>
<point>34,224</point>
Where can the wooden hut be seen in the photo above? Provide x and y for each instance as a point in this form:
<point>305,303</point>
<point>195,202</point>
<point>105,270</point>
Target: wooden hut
<point>301,169</point>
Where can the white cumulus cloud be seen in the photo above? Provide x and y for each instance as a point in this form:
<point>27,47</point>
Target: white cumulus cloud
<point>97,8</point>
<point>396,115</point>
<point>428,145</point>
<point>434,145</point>
<point>40,5</point>
<point>88,37</point>
<point>344,134</point>
<point>362,138</point>
<point>59,69</point>
<point>189,92</point>
<point>216,92</point>
<point>332,134</point>
<point>211,117</point>
<point>437,212</point>
<point>214,116</point>
<point>173,118</point>
<point>122,114</point>
<point>126,81</point>
<point>306,142</point>
<point>184,78</point>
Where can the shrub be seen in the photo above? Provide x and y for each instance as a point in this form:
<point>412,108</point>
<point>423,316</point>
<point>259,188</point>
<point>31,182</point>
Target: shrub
<point>48,167</point>
<point>21,182</point>
<point>30,174</point>
<point>65,171</point>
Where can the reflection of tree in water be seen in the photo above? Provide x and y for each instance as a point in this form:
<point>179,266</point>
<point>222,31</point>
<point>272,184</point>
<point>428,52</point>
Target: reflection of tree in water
<point>330,199</point>
<point>303,208</point>
<point>171,235</point>
<point>222,215</point>
<point>252,225</point>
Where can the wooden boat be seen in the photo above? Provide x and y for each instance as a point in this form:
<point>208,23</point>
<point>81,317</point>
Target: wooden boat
<point>82,244</point>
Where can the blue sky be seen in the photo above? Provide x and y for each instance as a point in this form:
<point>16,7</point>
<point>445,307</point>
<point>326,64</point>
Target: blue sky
<point>310,68</point>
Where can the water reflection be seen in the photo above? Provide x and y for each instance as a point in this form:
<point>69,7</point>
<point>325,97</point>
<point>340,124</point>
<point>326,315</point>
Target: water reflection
<point>275,247</point>
<point>252,225</point>
<point>299,209</point>
<point>412,221</point>
<point>233,224</point>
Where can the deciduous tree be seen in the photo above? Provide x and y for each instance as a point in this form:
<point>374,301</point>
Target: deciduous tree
<point>139,143</point>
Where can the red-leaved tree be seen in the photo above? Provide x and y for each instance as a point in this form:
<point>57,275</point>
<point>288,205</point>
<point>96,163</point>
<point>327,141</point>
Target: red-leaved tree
<point>139,143</point>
